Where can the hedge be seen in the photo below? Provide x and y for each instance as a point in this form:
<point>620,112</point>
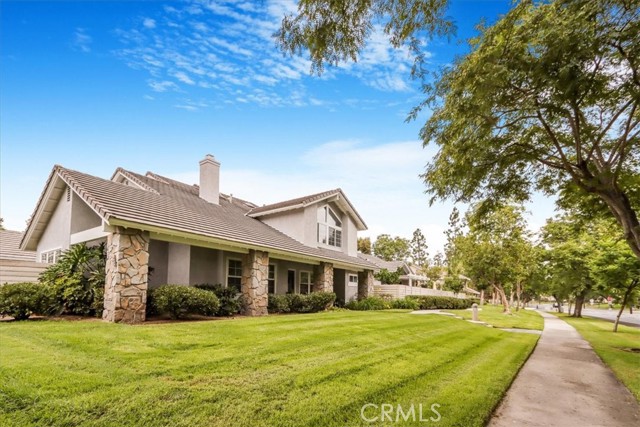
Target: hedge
<point>21,300</point>
<point>442,303</point>
<point>181,301</point>
<point>297,303</point>
<point>228,297</point>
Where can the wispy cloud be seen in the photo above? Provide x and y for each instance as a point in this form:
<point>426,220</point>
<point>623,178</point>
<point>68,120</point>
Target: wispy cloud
<point>81,40</point>
<point>227,47</point>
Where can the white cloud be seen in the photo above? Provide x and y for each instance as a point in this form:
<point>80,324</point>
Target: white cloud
<point>162,86</point>
<point>149,23</point>
<point>81,40</point>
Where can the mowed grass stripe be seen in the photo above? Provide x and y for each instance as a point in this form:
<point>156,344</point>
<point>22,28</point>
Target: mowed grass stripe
<point>282,370</point>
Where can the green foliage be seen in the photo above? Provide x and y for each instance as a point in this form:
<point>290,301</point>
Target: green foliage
<point>77,280</point>
<point>369,303</point>
<point>453,283</point>
<point>405,304</point>
<point>181,301</point>
<point>21,300</point>
<point>364,245</point>
<point>387,277</point>
<point>391,248</point>
<point>297,303</point>
<point>418,249</point>
<point>228,297</point>
<point>442,303</point>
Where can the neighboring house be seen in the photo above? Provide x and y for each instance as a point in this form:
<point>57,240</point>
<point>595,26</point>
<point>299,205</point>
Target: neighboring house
<point>409,273</point>
<point>16,265</point>
<point>160,231</point>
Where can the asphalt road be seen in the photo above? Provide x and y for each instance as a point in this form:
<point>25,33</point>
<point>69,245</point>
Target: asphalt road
<point>604,314</point>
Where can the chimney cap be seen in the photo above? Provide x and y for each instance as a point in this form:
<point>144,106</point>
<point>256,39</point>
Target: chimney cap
<point>209,159</point>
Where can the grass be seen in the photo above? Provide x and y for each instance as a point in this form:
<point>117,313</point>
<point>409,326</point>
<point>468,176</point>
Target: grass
<point>611,348</point>
<point>493,315</point>
<point>296,370</point>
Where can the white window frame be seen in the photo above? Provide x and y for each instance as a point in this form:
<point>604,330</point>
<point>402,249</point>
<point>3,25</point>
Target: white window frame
<point>309,285</point>
<point>328,228</point>
<point>227,275</point>
<point>349,276</point>
<point>275,278</point>
<point>55,255</point>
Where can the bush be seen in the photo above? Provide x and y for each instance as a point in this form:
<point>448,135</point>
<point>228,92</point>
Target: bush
<point>21,300</point>
<point>405,304</point>
<point>369,303</point>
<point>441,303</point>
<point>180,301</point>
<point>296,303</point>
<point>228,298</point>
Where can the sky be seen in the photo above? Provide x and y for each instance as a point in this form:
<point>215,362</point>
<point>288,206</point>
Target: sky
<point>155,85</point>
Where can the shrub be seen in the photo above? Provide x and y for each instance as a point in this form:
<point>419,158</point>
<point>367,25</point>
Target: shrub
<point>297,303</point>
<point>406,304</point>
<point>228,298</point>
<point>180,301</point>
<point>77,280</point>
<point>21,300</point>
<point>442,303</point>
<point>369,303</point>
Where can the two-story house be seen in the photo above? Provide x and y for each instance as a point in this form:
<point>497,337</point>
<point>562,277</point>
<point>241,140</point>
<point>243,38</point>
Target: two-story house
<point>158,231</point>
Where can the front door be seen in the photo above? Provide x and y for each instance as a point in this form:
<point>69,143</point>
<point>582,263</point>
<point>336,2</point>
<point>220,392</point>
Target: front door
<point>291,281</point>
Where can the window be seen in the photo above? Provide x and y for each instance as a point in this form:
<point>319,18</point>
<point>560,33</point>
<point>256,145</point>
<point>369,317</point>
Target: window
<point>50,257</point>
<point>271,280</point>
<point>305,282</point>
<point>353,280</point>
<point>234,274</point>
<point>329,227</point>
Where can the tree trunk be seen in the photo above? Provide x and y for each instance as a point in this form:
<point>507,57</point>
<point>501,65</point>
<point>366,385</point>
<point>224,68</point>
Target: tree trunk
<point>518,294</point>
<point>627,294</point>
<point>503,297</point>
<point>511,297</point>
<point>569,309</point>
<point>623,212</point>
<point>577,312</point>
<point>481,297</point>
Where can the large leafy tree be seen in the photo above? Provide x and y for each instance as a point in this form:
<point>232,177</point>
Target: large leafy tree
<point>547,99</point>
<point>418,249</point>
<point>391,248</point>
<point>364,245</point>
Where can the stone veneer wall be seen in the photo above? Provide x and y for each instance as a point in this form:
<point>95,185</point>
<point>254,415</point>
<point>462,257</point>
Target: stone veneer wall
<point>365,284</point>
<point>323,277</point>
<point>127,269</point>
<point>255,275</point>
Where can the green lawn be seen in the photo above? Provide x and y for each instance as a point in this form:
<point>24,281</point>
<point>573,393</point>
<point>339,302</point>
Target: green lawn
<point>611,348</point>
<point>523,319</point>
<point>295,370</point>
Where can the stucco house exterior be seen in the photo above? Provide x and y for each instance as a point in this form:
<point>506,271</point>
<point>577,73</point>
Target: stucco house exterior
<point>160,231</point>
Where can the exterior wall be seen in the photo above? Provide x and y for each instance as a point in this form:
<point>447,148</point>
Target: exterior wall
<point>16,271</point>
<point>349,237</point>
<point>204,266</point>
<point>82,216</point>
<point>178,264</point>
<point>158,263</point>
<point>56,235</point>
<point>282,267</point>
<point>351,291</point>
<point>291,223</point>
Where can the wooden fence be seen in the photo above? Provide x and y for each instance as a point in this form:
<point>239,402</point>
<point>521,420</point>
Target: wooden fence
<point>14,271</point>
<point>401,291</point>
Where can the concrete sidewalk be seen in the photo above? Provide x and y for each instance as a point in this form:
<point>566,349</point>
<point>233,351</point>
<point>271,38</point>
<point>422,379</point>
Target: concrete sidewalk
<point>564,383</point>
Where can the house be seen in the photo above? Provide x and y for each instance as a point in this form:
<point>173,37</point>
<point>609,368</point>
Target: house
<point>409,274</point>
<point>16,265</point>
<point>160,231</point>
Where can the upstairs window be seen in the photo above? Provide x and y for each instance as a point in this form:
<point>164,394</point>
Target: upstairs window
<point>329,227</point>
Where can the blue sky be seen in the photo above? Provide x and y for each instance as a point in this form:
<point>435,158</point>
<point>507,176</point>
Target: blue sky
<point>156,85</point>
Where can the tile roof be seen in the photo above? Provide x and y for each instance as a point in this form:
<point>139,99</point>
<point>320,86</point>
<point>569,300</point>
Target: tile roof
<point>381,263</point>
<point>176,206</point>
<point>10,247</point>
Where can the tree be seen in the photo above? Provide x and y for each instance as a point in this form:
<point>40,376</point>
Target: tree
<point>391,248</point>
<point>364,245</point>
<point>547,99</point>
<point>387,277</point>
<point>418,249</point>
<point>1,223</point>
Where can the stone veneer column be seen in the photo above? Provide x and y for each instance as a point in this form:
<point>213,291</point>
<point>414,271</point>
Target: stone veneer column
<point>365,284</point>
<point>323,277</point>
<point>255,275</point>
<point>127,271</point>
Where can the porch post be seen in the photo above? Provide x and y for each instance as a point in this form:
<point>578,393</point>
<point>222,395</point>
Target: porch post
<point>255,275</point>
<point>127,269</point>
<point>365,284</point>
<point>323,277</point>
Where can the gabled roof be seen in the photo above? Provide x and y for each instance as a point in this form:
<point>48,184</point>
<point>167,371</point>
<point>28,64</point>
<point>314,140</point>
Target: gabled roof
<point>301,202</point>
<point>383,264</point>
<point>170,206</point>
<point>10,247</point>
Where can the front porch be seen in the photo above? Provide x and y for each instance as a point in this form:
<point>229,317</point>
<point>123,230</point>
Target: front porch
<point>139,260</point>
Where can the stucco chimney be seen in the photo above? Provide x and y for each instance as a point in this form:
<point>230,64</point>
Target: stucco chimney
<point>210,179</point>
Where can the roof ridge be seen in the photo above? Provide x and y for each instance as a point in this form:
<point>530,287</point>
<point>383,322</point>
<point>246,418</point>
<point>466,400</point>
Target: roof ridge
<point>301,200</point>
<point>82,192</point>
<point>132,176</point>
